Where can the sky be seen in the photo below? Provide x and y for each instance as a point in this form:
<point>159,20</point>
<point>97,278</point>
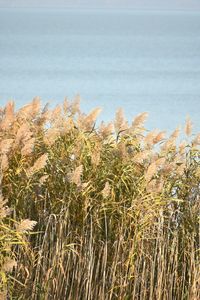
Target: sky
<point>134,4</point>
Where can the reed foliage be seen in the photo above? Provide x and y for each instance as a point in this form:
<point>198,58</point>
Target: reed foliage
<point>117,207</point>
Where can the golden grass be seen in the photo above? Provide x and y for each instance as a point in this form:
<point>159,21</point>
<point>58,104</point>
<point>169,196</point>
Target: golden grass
<point>117,207</point>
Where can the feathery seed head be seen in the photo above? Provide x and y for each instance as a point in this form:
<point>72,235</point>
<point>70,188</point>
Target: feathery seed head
<point>25,225</point>
<point>106,190</point>
<point>75,176</point>
<point>38,165</point>
<point>188,126</point>
<point>139,120</point>
<point>151,171</point>
<point>120,122</point>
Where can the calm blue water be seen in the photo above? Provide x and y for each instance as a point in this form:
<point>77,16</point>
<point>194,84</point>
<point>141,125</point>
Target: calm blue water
<point>142,61</point>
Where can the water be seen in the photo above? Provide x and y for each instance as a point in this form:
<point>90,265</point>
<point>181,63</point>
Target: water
<point>141,61</point>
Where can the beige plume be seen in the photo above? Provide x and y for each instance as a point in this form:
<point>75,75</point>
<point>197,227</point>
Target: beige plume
<point>43,179</point>
<point>51,136</point>
<point>168,145</point>
<point>36,104</point>
<point>196,140</point>
<point>159,137</point>
<point>9,264</point>
<point>120,122</point>
<point>89,120</point>
<point>6,145</point>
<point>188,126</point>
<point>75,176</point>
<point>65,105</point>
<point>139,120</point>
<point>150,137</point>
<point>28,148</point>
<point>38,165</point>
<point>106,190</point>
<point>8,116</point>
<point>75,105</point>
<point>150,171</point>
<point>182,147</point>
<point>4,162</point>
<point>139,157</point>
<point>106,130</point>
<point>25,225</point>
<point>175,134</point>
<point>4,210</point>
<point>23,134</point>
<point>95,157</point>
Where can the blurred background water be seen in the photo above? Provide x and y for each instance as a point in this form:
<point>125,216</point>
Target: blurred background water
<point>138,60</point>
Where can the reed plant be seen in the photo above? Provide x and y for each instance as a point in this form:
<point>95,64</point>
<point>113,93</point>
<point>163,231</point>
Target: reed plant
<point>117,206</point>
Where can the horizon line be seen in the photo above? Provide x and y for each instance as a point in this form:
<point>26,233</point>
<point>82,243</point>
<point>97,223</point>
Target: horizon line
<point>100,8</point>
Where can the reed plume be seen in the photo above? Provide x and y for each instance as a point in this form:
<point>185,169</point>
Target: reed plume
<point>139,120</point>
<point>188,126</point>
<point>25,225</point>
<point>75,176</point>
<point>38,165</point>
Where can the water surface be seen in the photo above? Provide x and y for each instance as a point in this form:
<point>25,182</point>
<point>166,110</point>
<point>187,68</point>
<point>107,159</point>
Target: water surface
<point>141,61</point>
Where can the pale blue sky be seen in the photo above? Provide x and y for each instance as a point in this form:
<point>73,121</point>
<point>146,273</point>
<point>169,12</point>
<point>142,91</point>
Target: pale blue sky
<point>135,4</point>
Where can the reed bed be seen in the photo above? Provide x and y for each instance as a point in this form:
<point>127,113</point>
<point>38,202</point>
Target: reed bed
<point>97,212</point>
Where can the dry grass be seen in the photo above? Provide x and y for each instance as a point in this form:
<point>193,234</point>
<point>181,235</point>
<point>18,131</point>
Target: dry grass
<point>117,207</point>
